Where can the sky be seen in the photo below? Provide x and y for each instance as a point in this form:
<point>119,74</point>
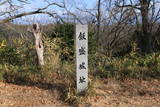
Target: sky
<point>41,18</point>
<point>70,3</point>
<point>35,4</point>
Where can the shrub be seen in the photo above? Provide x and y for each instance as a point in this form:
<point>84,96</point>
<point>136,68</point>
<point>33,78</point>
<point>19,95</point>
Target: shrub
<point>132,65</point>
<point>66,33</point>
<point>9,54</point>
<point>1,76</point>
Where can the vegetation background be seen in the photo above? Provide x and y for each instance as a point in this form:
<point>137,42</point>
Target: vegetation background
<point>123,46</point>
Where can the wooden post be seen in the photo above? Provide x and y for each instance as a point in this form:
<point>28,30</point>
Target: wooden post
<point>82,57</point>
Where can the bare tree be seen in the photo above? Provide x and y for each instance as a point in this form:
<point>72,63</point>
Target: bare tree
<point>147,16</point>
<point>98,19</point>
<point>146,35</point>
<point>110,25</point>
<point>12,10</point>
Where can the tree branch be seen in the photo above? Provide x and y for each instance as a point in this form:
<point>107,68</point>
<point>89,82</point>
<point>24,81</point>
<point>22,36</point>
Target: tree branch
<point>130,6</point>
<point>25,14</point>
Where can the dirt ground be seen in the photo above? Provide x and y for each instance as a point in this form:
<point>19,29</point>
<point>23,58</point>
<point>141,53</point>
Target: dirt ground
<point>108,93</point>
<point>129,93</point>
<point>27,96</point>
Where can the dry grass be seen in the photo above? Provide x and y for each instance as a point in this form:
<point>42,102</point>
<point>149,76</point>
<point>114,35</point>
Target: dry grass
<point>109,93</point>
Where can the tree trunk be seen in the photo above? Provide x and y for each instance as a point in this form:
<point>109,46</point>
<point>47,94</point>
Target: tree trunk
<point>38,43</point>
<point>98,39</point>
<point>146,35</point>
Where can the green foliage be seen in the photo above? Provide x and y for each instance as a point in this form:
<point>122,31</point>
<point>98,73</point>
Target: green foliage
<point>16,60</point>
<point>66,33</point>
<point>52,54</point>
<point>132,65</point>
<point>1,76</point>
<point>92,43</point>
<point>8,54</point>
<point>20,53</point>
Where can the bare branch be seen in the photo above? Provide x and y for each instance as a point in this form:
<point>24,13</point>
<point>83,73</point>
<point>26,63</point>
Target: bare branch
<point>3,2</point>
<point>25,14</point>
<point>128,6</point>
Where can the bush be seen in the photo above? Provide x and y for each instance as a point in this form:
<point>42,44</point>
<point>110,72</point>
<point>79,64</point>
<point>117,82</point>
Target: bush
<point>9,54</point>
<point>1,76</point>
<point>132,65</point>
<point>66,33</point>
